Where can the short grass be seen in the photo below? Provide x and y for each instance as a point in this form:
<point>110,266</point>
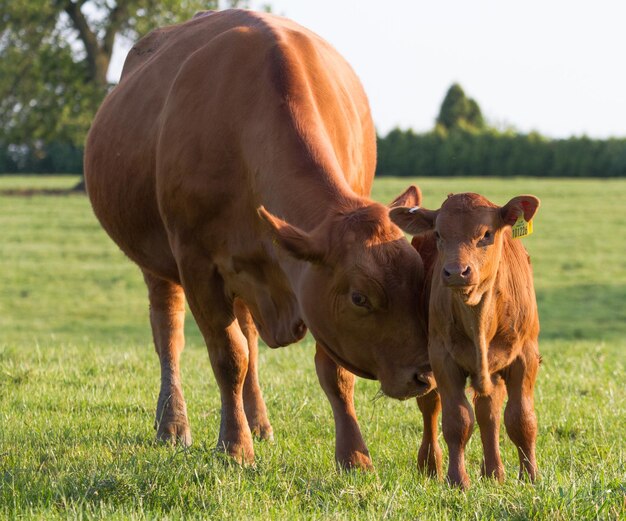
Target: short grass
<point>79,382</point>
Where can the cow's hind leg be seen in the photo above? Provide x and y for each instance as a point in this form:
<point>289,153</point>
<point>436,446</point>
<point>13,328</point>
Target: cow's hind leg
<point>253,402</point>
<point>488,411</point>
<point>429,455</point>
<point>338,384</point>
<point>519,413</point>
<point>167,316</point>
<point>227,347</point>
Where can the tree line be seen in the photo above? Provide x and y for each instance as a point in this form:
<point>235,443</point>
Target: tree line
<point>492,153</point>
<point>54,58</point>
<point>462,144</point>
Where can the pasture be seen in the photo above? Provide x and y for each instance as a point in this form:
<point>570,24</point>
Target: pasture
<point>79,383</point>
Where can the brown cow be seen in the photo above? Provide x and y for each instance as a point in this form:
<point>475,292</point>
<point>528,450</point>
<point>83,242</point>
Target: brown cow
<point>216,123</point>
<point>483,323</point>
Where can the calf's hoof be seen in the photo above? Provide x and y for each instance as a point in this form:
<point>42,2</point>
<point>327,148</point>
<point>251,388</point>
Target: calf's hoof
<point>429,460</point>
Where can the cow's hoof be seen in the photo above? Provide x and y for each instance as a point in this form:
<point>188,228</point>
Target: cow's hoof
<point>496,473</point>
<point>262,431</point>
<point>356,460</point>
<point>462,482</point>
<point>174,433</point>
<point>429,460</point>
<point>242,453</point>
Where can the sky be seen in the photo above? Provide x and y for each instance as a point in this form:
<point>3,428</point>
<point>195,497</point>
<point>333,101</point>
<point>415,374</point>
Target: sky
<point>553,66</point>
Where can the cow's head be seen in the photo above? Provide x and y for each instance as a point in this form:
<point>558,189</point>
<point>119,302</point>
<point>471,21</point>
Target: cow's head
<point>469,230</point>
<point>358,294</point>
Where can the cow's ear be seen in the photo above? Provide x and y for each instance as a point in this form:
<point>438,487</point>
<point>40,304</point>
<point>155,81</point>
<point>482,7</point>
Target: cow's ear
<point>292,239</point>
<point>526,205</point>
<point>413,220</point>
<point>412,196</point>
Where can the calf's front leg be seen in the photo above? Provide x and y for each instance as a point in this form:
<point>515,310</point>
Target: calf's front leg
<point>457,414</point>
<point>338,384</point>
<point>488,410</point>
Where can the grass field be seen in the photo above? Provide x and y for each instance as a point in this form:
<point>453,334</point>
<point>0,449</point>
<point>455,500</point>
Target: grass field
<point>79,383</point>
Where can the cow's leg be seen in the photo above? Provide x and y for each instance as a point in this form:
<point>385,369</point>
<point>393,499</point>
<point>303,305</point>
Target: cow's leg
<point>167,316</point>
<point>488,410</point>
<point>253,402</point>
<point>457,416</point>
<point>519,414</point>
<point>429,455</point>
<point>227,347</point>
<point>338,384</point>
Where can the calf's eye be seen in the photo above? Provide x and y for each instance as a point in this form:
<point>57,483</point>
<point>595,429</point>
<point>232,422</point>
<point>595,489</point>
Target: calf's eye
<point>487,235</point>
<point>358,299</point>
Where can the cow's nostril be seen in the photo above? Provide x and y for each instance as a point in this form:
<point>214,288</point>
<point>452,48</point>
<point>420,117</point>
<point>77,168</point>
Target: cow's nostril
<point>446,273</point>
<point>466,272</point>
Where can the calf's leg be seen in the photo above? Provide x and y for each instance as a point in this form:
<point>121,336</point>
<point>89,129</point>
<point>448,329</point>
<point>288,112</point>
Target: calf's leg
<point>457,416</point>
<point>253,402</point>
<point>488,410</point>
<point>338,384</point>
<point>429,454</point>
<point>519,413</point>
<point>167,316</point>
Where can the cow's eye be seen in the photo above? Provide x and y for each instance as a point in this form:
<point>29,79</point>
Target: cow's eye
<point>358,299</point>
<point>486,239</point>
<point>437,235</point>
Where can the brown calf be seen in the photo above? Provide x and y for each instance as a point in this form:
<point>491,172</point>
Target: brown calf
<point>483,323</point>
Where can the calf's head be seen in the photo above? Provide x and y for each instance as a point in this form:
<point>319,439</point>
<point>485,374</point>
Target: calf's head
<point>358,293</point>
<point>470,230</point>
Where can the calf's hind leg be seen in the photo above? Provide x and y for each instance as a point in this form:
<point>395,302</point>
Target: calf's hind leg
<point>167,316</point>
<point>253,402</point>
<point>429,455</point>
<point>519,413</point>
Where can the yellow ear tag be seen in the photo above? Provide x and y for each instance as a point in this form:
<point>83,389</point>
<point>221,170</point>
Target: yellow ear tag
<point>522,228</point>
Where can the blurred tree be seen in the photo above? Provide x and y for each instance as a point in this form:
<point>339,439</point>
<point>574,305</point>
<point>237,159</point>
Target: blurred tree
<point>55,55</point>
<point>459,111</point>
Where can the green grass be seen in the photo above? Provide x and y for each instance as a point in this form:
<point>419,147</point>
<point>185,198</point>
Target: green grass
<point>79,383</point>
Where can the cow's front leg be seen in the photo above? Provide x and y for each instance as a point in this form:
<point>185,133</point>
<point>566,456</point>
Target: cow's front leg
<point>488,411</point>
<point>253,402</point>
<point>519,413</point>
<point>338,384</point>
<point>457,414</point>
<point>228,352</point>
<point>429,455</point>
<point>167,316</point>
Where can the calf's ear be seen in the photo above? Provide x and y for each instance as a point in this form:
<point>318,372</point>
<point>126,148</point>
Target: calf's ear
<point>292,239</point>
<point>413,220</point>
<point>526,205</point>
<point>412,196</point>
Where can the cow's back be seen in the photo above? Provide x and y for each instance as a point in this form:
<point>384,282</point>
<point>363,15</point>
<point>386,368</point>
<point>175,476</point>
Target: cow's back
<point>206,115</point>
